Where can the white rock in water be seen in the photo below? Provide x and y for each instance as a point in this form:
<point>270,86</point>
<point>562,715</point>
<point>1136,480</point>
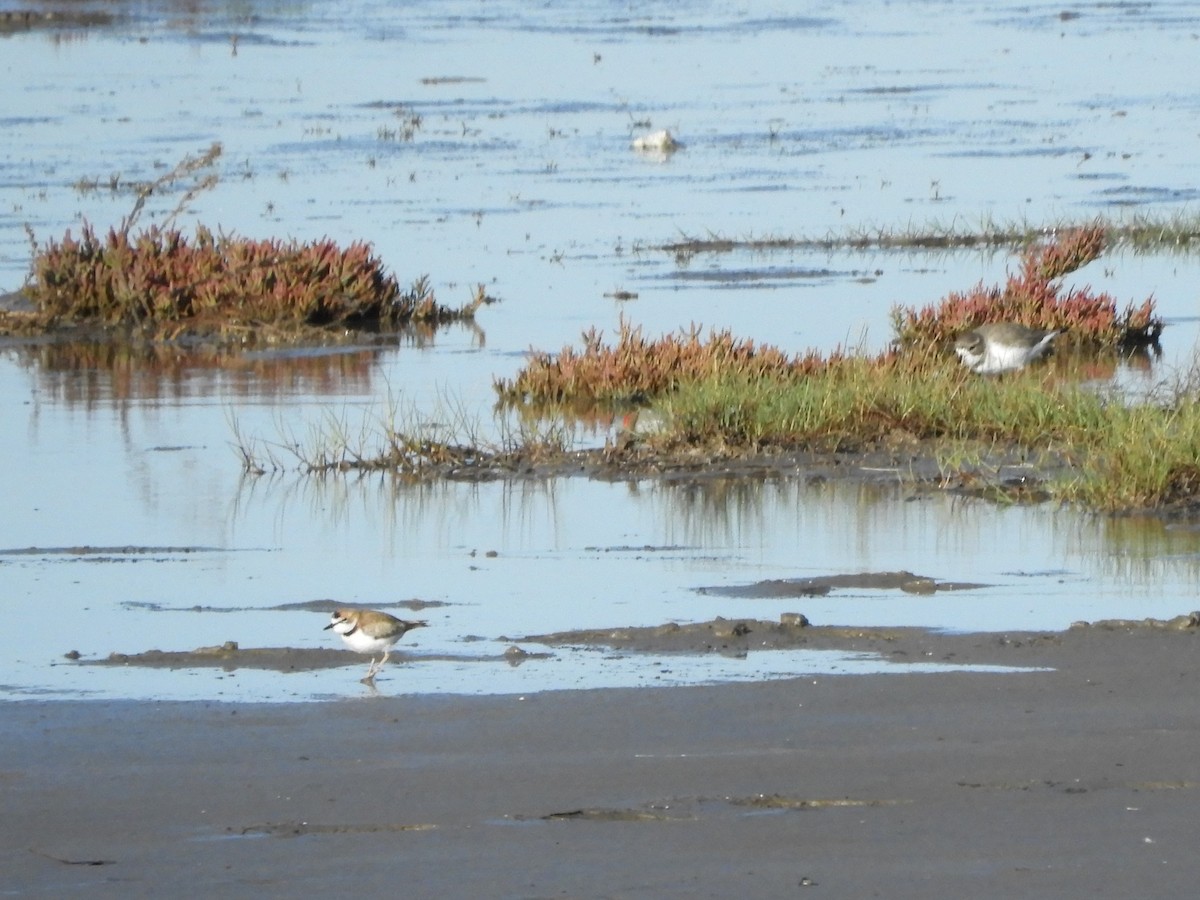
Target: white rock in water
<point>657,142</point>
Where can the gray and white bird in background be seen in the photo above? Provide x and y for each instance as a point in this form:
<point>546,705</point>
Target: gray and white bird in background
<point>1001,347</point>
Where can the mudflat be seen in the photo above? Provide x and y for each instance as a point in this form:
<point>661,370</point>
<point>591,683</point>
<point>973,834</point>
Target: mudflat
<point>1077,777</point>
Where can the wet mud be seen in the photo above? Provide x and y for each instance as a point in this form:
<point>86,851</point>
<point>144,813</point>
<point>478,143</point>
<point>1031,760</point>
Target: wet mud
<point>999,475</point>
<point>1076,776</point>
<point>727,636</point>
<point>821,585</point>
<point>230,657</point>
<point>301,829</point>
<point>793,631</point>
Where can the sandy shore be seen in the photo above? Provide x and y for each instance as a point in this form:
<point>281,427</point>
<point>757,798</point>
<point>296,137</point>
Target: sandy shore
<point>1079,781</point>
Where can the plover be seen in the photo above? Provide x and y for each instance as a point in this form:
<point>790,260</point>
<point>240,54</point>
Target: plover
<point>369,631</point>
<point>1001,347</point>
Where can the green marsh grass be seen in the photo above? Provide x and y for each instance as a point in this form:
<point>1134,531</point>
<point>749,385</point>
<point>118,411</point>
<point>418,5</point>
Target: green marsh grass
<point>1119,457</point>
<point>1145,456</point>
<point>863,400</point>
<point>1177,232</point>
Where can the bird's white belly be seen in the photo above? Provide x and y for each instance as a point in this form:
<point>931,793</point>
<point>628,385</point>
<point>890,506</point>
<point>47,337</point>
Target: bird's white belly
<point>362,642</point>
<point>1004,359</point>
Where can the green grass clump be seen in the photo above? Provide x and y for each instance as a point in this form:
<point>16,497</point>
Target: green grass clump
<point>861,400</point>
<point>1120,457</point>
<point>209,284</point>
<point>1143,457</point>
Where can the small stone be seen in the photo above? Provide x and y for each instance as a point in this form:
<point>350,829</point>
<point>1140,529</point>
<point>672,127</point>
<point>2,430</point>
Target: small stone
<point>657,142</point>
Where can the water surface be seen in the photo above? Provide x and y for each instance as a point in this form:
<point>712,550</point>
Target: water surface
<point>796,121</point>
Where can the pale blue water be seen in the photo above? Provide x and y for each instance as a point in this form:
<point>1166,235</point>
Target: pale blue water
<point>797,121</point>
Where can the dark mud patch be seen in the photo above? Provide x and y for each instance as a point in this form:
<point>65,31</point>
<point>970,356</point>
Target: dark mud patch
<point>1187,622</point>
<point>74,862</point>
<point>693,809</point>
<point>781,802</point>
<point>819,586</point>
<point>606,815</point>
<point>792,631</point>
<point>901,644</point>
<point>302,829</point>
<point>996,475</point>
<point>229,657</point>
<point>877,463</point>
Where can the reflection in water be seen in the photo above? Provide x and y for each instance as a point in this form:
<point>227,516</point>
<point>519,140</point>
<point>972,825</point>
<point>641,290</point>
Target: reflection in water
<point>406,512</point>
<point>786,526</point>
<point>872,520</point>
<point>100,373</point>
<point>109,374</point>
<point>1148,551</point>
<point>739,510</point>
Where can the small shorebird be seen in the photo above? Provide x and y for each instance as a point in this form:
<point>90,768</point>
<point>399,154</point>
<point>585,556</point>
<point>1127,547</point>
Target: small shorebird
<point>1001,347</point>
<point>369,631</point>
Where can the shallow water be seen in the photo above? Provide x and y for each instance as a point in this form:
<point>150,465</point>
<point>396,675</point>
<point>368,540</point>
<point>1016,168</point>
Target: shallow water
<point>521,177</point>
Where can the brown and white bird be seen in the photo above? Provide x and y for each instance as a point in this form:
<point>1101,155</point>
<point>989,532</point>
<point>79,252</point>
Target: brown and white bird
<point>369,631</point>
<point>1001,347</point>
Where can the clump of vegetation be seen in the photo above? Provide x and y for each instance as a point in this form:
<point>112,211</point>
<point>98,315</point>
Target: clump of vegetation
<point>723,396</point>
<point>160,278</point>
<point>407,444</point>
<point>865,400</point>
<point>1113,456</point>
<point>161,281</point>
<point>636,369</point>
<point>1141,457</point>
<point>1034,296</point>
